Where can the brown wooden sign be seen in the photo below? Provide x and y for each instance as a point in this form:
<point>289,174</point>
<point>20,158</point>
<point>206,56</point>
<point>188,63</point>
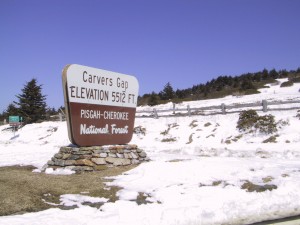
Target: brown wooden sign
<point>100,105</point>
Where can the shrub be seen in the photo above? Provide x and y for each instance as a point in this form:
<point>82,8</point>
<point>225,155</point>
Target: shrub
<point>287,84</point>
<point>266,124</point>
<point>247,120</point>
<point>251,91</point>
<point>251,187</point>
<point>168,139</point>
<point>193,124</point>
<point>296,80</point>
<point>207,124</point>
<point>190,139</point>
<point>165,132</point>
<point>139,130</point>
<point>271,139</point>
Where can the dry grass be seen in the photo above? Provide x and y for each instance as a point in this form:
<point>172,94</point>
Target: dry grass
<point>22,191</point>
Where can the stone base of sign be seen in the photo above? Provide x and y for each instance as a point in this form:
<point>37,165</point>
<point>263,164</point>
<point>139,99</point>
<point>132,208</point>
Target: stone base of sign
<point>95,158</point>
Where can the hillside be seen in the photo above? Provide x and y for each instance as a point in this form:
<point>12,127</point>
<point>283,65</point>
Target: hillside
<point>203,170</point>
<point>244,84</point>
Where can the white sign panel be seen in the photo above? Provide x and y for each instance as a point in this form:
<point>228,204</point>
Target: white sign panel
<point>96,86</point>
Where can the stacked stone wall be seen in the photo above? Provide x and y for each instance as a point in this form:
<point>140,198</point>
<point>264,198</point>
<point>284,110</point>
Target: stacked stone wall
<point>97,157</point>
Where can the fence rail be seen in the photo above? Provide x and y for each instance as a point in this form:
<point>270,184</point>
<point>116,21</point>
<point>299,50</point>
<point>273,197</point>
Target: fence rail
<point>264,106</point>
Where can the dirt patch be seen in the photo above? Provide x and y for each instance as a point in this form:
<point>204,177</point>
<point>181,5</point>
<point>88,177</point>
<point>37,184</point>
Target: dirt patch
<point>22,190</point>
<point>215,183</point>
<point>251,187</point>
<point>190,139</point>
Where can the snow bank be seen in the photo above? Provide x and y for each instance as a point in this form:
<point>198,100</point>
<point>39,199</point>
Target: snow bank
<point>34,144</point>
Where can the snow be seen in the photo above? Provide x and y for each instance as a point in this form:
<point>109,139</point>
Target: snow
<point>71,199</point>
<point>33,144</point>
<point>58,171</point>
<point>196,179</point>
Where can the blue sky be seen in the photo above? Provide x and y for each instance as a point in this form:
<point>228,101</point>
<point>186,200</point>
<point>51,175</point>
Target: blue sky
<point>184,42</point>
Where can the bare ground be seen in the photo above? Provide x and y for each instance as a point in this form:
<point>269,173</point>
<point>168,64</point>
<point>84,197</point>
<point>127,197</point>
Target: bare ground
<point>22,190</point>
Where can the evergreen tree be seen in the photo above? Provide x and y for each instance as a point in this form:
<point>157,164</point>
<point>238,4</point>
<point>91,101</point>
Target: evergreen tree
<point>11,110</point>
<point>2,117</point>
<point>265,74</point>
<point>283,73</point>
<point>181,93</point>
<point>247,84</point>
<point>236,82</point>
<point>257,77</point>
<point>273,73</point>
<point>153,99</point>
<point>167,93</point>
<point>32,105</point>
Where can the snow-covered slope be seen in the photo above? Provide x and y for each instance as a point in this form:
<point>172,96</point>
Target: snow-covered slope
<point>272,94</point>
<point>200,168</point>
<point>33,144</point>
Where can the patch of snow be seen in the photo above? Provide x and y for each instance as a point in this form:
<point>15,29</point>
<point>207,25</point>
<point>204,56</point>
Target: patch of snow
<point>59,171</point>
<point>78,200</point>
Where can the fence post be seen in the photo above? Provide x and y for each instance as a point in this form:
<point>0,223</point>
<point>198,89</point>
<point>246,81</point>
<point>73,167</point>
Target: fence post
<point>60,117</point>
<point>189,110</point>
<point>265,105</point>
<point>223,108</point>
<point>173,108</point>
<point>4,121</point>
<point>155,114</point>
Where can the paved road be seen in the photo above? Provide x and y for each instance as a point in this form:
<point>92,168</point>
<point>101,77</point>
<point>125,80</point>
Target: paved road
<point>294,220</point>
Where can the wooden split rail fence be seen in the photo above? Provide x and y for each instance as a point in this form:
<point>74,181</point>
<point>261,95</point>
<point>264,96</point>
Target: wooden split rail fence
<point>264,106</point>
